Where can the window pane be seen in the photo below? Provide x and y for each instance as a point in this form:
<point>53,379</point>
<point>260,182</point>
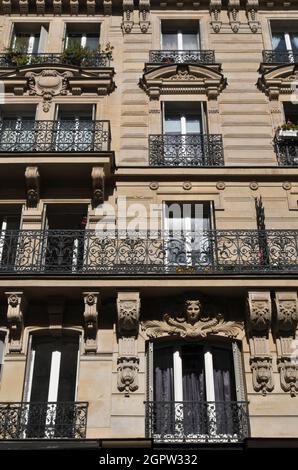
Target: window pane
<point>193,124</point>
<point>294,41</point>
<point>278,42</point>
<point>190,41</point>
<point>163,374</point>
<point>35,44</point>
<point>172,123</point>
<point>169,41</point>
<point>74,40</point>
<point>92,41</point>
<point>224,380</point>
<point>21,42</point>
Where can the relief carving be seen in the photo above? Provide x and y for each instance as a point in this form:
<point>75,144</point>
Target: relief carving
<point>91,300</point>
<point>15,318</point>
<point>262,375</point>
<point>127,370</point>
<point>128,306</point>
<point>48,83</point>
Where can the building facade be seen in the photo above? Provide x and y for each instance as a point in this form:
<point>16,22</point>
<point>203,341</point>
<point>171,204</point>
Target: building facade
<point>148,220</point>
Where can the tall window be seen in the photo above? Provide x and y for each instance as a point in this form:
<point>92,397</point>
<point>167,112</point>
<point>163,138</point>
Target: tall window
<point>195,388</point>
<point>30,38</point>
<point>284,36</point>
<point>16,128</point>
<point>180,36</point>
<point>74,127</point>
<point>290,112</point>
<point>183,117</point>
<point>82,35</point>
<point>10,218</point>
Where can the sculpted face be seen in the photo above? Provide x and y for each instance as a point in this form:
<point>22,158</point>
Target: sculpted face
<point>193,311</point>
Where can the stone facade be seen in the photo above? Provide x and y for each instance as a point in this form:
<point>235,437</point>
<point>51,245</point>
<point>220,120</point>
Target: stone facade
<point>117,313</point>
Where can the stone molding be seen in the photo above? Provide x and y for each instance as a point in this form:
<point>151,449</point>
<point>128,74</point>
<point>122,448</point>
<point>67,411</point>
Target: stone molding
<point>91,301</point>
<point>32,178</point>
<point>276,81</point>
<point>127,374</point>
<point>16,306</point>
<point>98,185</point>
<point>48,83</point>
<point>128,308</point>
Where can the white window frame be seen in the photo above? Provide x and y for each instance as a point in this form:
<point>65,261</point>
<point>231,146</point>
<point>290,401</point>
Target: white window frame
<point>180,33</point>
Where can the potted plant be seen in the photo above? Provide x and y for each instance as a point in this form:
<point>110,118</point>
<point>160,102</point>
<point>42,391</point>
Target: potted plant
<point>16,57</point>
<point>287,130</point>
<point>76,55</point>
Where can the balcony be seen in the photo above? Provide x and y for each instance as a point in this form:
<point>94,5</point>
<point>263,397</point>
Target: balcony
<point>21,59</point>
<point>214,252</point>
<point>188,150</point>
<point>195,57</point>
<point>192,422</point>
<point>286,147</point>
<point>52,420</point>
<point>20,136</point>
<point>280,57</point>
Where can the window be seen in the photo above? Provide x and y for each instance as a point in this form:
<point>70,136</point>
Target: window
<point>74,128</point>
<point>290,112</point>
<point>51,377</point>
<point>17,128</point>
<point>183,117</point>
<point>195,389</point>
<point>84,35</point>
<point>284,36</point>
<point>30,38</point>
<point>188,240</point>
<point>180,36</point>
<point>10,219</point>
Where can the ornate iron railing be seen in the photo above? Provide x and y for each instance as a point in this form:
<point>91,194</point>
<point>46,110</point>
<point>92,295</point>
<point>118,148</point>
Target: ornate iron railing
<point>52,420</point>
<point>197,421</point>
<point>19,59</point>
<point>287,151</point>
<point>280,57</point>
<point>78,252</point>
<point>186,150</point>
<point>54,136</point>
<point>182,57</point>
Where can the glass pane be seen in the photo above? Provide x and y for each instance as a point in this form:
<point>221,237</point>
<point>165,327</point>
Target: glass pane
<point>193,124</point>
<point>190,41</point>
<point>169,41</point>
<point>172,123</point>
<point>21,42</point>
<point>74,40</point>
<point>92,41</point>
<point>278,42</point>
<point>35,44</point>
<point>294,41</point>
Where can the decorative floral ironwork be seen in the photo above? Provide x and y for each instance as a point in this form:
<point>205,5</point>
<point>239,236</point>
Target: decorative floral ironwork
<point>54,136</point>
<point>182,57</point>
<point>186,150</point>
<point>197,421</point>
<point>25,420</point>
<point>287,151</point>
<point>17,59</point>
<point>280,57</point>
<point>80,252</point>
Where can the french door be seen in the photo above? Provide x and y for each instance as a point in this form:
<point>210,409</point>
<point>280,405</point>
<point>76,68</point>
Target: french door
<point>74,130</point>
<point>50,389</point>
<point>8,240</point>
<point>194,388</point>
<point>179,38</point>
<point>187,235</point>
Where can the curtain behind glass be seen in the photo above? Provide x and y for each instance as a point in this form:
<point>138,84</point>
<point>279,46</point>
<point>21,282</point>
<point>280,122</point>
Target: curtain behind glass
<point>294,41</point>
<point>278,42</point>
<point>164,411</point>
<point>169,41</point>
<point>225,390</point>
<point>194,419</point>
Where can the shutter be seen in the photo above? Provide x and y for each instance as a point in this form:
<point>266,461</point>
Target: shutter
<point>239,372</point>
<point>42,40</point>
<point>29,371</point>
<point>150,373</point>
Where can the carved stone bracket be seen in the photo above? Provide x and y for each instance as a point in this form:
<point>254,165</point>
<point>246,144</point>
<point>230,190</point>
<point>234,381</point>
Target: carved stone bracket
<point>48,83</point>
<point>195,323</point>
<point>259,313</point>
<point>98,184</point>
<point>144,13</point>
<point>91,300</point>
<point>127,22</point>
<point>251,11</point>
<point>233,12</point>
<point>215,10</point>
<point>15,316</point>
<point>287,344</point>
<point>128,306</point>
<point>32,186</point>
<point>107,7</point>
<point>127,370</point>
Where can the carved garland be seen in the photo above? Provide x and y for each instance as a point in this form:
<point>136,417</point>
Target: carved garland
<point>48,83</point>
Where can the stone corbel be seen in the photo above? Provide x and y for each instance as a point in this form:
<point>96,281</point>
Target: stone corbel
<point>40,7</point>
<point>251,11</point>
<point>32,186</point>
<point>91,301</point>
<point>287,344</point>
<point>127,372</point>
<point>233,8</point>
<point>57,4</point>
<point>24,7</point>
<point>74,7</point>
<point>144,12</point>
<point>107,7</point>
<point>6,7</point>
<point>259,313</point>
<point>127,22</point>
<point>15,317</point>
<point>128,307</point>
<point>98,180</point>
<point>215,10</point>
<point>90,7</point>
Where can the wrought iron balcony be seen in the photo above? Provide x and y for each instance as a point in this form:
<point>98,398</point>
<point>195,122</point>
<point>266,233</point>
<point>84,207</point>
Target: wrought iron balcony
<point>182,57</point>
<point>287,151</point>
<point>80,253</point>
<point>280,57</point>
<point>52,420</point>
<point>186,150</point>
<point>54,136</point>
<point>19,59</point>
<point>197,421</point>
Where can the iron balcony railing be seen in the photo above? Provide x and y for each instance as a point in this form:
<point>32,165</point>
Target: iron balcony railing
<point>182,57</point>
<point>287,151</point>
<point>52,420</point>
<point>89,252</point>
<point>194,421</point>
<point>186,150</point>
<point>54,136</point>
<point>19,59</point>
<point>280,57</point>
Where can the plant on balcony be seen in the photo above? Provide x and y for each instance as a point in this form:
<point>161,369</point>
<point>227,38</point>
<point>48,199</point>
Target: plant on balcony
<point>16,57</point>
<point>107,49</point>
<point>288,129</point>
<point>80,56</point>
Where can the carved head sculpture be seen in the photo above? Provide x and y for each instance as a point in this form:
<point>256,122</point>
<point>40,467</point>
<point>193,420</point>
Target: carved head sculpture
<point>193,310</point>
